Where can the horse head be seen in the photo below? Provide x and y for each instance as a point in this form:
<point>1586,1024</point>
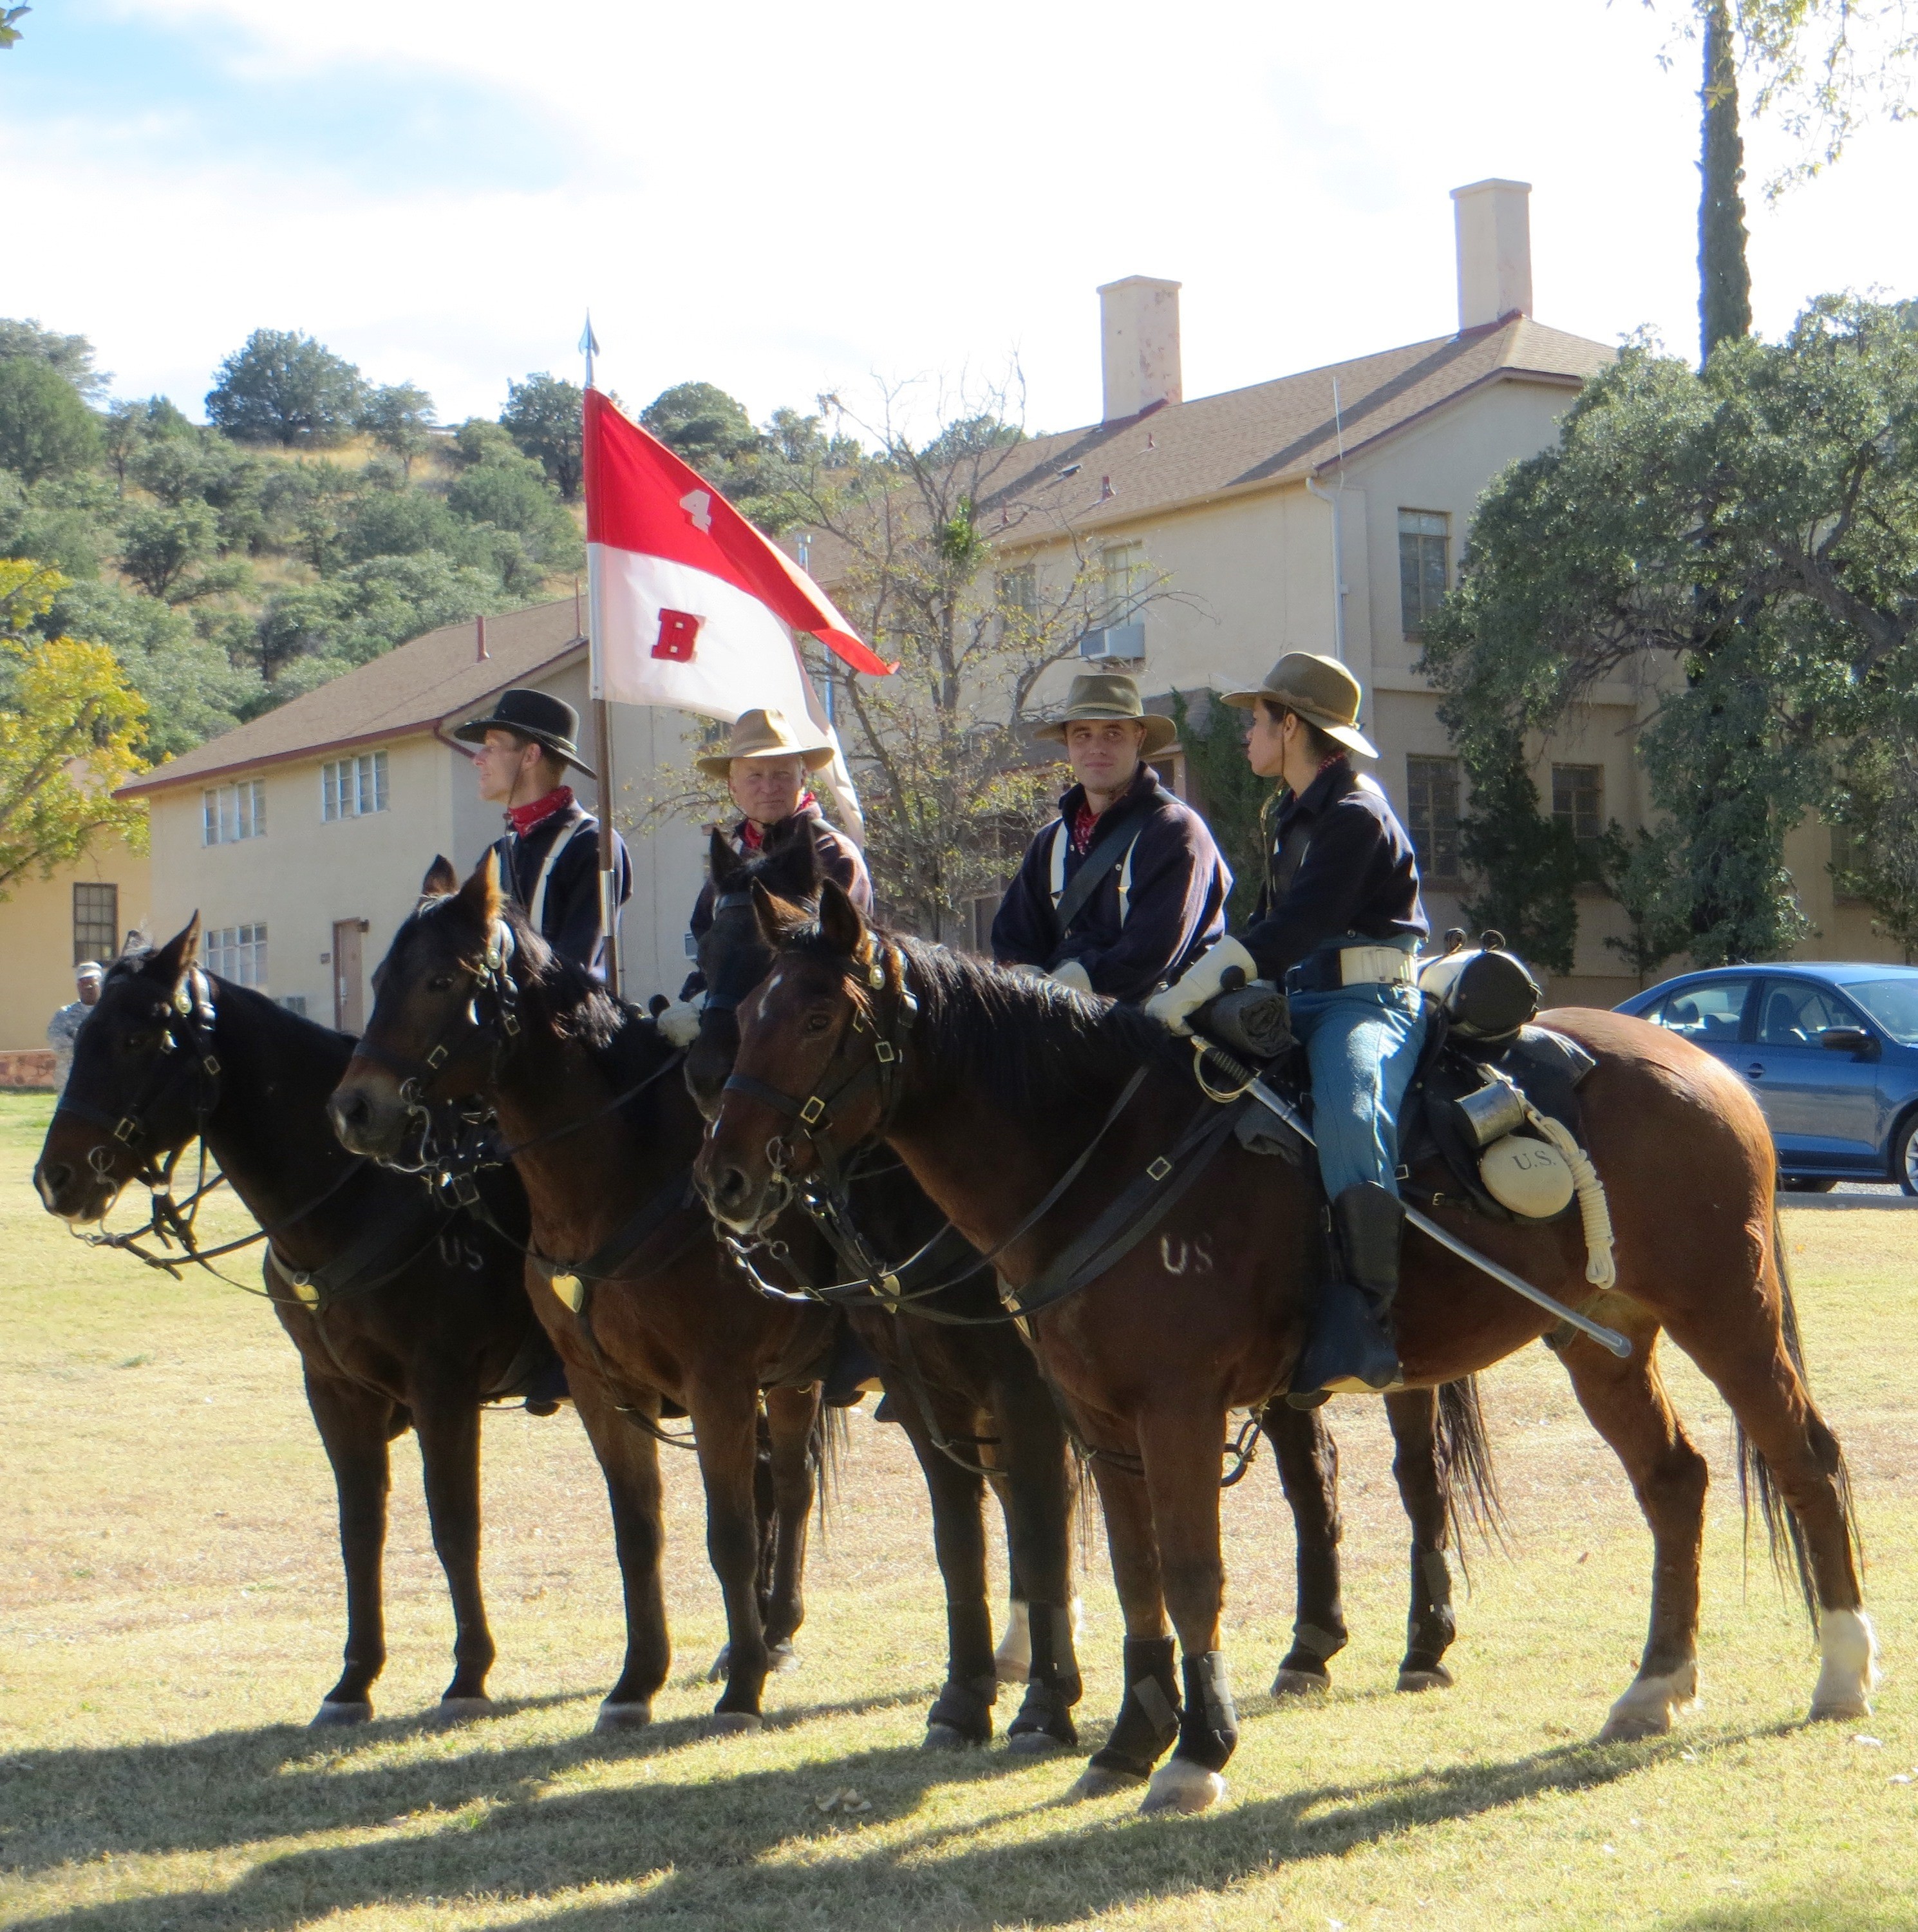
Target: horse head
<point>734,953</point>
<point>140,1083</point>
<point>817,1058</point>
<point>443,998</point>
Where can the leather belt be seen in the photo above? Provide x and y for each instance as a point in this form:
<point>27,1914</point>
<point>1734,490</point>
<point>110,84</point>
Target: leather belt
<point>1333,967</point>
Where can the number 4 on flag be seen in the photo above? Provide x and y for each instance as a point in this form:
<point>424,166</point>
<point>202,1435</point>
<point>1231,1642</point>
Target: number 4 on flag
<point>679,630</point>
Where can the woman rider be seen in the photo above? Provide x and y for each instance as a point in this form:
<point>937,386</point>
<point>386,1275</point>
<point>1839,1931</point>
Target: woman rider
<point>1339,924</point>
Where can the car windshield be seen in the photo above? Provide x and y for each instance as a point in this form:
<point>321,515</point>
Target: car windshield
<point>1893,1004</point>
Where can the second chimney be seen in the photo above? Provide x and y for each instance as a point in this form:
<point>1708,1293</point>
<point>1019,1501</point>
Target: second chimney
<point>1139,345</point>
<point>1494,225</point>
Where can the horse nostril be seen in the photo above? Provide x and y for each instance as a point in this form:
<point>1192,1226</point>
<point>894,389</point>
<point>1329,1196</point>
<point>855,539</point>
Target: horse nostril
<point>53,1181</point>
<point>350,1114</point>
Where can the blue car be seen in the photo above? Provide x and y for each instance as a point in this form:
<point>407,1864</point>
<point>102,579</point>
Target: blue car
<point>1831,1052</point>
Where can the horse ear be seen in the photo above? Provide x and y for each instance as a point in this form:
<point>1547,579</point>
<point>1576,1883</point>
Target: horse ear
<point>480,895</point>
<point>181,953</point>
<point>777,921</point>
<point>792,867</point>
<point>721,859</point>
<point>440,879</point>
<point>840,923</point>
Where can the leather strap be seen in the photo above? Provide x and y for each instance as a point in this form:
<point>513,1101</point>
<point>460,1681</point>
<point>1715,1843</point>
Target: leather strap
<point>1107,855</point>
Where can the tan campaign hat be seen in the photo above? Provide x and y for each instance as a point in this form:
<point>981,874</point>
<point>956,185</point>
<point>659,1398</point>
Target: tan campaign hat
<point>1098,694</point>
<point>764,734</point>
<point>1321,689</point>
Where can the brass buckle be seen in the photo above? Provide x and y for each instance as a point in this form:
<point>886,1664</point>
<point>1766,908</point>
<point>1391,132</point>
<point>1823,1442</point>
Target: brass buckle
<point>812,1112</point>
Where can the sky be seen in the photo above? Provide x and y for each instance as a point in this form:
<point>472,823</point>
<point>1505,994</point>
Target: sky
<point>859,197</point>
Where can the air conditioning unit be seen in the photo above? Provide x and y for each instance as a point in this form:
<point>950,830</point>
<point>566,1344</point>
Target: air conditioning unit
<point>1124,642</point>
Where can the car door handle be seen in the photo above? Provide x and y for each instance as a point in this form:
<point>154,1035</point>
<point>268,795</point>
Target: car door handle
<point>1756,1070</point>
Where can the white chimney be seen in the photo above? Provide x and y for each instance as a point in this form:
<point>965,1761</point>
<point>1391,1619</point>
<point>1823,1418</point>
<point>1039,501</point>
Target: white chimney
<point>1139,345</point>
<point>1494,225</point>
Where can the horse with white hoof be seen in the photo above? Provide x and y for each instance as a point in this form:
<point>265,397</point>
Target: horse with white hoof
<point>1181,1786</point>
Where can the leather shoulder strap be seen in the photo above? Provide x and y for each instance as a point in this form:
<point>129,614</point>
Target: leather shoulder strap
<point>1107,854</point>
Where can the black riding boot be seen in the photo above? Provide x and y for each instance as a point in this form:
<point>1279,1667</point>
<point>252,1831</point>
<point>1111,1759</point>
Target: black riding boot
<point>1351,1334</point>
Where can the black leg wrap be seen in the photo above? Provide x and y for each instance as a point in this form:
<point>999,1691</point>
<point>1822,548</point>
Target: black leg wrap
<point>1432,1626</point>
<point>1053,1687</point>
<point>1148,1717</point>
<point>964,1705</point>
<point>1312,1646</point>
<point>1209,1733</point>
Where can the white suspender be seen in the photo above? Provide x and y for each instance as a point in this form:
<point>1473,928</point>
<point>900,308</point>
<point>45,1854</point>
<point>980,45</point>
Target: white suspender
<point>1125,881</point>
<point>536,912</point>
<point>1061,846</point>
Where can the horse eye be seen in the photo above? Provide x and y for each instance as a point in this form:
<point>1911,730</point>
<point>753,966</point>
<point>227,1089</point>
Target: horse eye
<point>818,1022</point>
<point>441,983</point>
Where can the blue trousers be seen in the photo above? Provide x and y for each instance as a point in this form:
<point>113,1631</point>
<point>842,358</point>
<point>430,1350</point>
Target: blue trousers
<point>1362,1044</point>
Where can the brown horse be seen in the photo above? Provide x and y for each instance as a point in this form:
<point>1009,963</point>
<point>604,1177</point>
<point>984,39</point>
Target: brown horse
<point>1148,1359</point>
<point>401,1314</point>
<point>623,1267</point>
<point>973,1374</point>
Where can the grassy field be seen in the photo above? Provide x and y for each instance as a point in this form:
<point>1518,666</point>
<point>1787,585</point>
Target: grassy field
<point>169,1615</point>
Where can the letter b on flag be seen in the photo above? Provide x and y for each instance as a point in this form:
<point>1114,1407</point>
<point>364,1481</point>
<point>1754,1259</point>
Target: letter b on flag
<point>679,630</point>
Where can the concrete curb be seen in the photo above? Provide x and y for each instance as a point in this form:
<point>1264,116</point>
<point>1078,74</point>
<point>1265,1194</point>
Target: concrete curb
<point>1827,1203</point>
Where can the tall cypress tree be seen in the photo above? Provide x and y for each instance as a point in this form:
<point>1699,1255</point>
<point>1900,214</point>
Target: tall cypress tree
<point>1724,280</point>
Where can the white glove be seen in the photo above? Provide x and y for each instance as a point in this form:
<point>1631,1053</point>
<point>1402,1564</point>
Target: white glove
<point>679,1024</point>
<point>1070,972</point>
<point>1201,981</point>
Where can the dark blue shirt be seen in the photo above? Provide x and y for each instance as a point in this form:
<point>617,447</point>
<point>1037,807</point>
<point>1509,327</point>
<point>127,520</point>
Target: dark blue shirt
<point>1340,863</point>
<point>569,916</point>
<point>1148,919</point>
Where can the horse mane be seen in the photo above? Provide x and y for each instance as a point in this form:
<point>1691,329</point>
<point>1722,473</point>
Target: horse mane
<point>621,1038</point>
<point>133,961</point>
<point>1028,1041</point>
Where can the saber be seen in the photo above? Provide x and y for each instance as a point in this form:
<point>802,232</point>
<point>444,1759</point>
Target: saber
<point>1606,1338</point>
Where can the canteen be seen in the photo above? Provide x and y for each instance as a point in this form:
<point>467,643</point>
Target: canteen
<point>1526,1176</point>
<point>1487,992</point>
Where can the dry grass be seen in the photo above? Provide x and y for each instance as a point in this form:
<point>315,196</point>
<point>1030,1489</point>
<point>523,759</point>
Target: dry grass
<point>170,1615</point>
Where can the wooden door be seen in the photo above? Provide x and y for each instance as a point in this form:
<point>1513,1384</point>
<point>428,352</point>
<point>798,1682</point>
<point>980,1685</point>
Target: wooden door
<point>348,1007</point>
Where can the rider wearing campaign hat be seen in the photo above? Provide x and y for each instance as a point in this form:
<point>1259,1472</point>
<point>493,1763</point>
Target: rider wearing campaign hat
<point>1125,888</point>
<point>1339,924</point>
<point>766,765</point>
<point>549,855</point>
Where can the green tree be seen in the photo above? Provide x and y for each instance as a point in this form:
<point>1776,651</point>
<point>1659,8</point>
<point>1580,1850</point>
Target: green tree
<point>9,33</point>
<point>68,355</point>
<point>1642,871</point>
<point>1744,542</point>
<point>45,430</point>
<point>1724,279</point>
<point>1525,868</point>
<point>160,544</point>
<point>1235,802</point>
<point>399,418</point>
<point>283,387</point>
<point>71,727</point>
<point>546,419</point>
<point>704,426</point>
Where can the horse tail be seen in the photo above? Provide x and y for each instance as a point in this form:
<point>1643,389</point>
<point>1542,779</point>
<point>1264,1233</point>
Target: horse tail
<point>1473,1500</point>
<point>830,1440</point>
<point>1790,1557</point>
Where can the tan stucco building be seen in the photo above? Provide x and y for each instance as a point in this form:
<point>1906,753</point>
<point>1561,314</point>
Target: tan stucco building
<point>82,911</point>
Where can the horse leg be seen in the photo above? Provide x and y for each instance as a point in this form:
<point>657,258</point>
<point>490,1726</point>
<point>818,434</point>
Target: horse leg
<point>629,1459</point>
<point>794,1420</point>
<point>1627,1404</point>
<point>961,1715</point>
<point>1037,1495</point>
<point>448,1427</point>
<point>1149,1712</point>
<point>1308,1459</point>
<point>1429,1626</point>
<point>1181,1453</point>
<point>355,1426</point>
<point>725,1424</point>
<point>1792,1460</point>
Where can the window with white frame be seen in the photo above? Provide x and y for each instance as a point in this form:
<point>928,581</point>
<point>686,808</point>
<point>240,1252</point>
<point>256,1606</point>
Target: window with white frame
<point>238,953</point>
<point>1123,567</point>
<point>1423,570</point>
<point>351,787</point>
<point>229,813</point>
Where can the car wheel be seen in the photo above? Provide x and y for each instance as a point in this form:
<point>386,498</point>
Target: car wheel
<point>1807,1184</point>
<point>1904,1157</point>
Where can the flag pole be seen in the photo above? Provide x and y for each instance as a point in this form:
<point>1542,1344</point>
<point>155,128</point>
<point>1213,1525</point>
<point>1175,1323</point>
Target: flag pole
<point>609,862</point>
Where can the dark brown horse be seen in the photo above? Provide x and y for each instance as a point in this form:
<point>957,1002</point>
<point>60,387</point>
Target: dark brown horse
<point>623,1269</point>
<point>973,1374</point>
<point>1148,1360</point>
<point>402,1313</point>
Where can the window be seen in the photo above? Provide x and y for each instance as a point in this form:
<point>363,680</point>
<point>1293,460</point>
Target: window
<point>1018,590</point>
<point>96,922</point>
<point>234,811</point>
<point>1794,1013</point>
<point>1709,1013</point>
<point>1124,566</point>
<point>1893,1004</point>
<point>351,787</point>
<point>1432,799</point>
<point>1422,572</point>
<point>295,1004</point>
<point>238,953</point>
<point>1578,801</point>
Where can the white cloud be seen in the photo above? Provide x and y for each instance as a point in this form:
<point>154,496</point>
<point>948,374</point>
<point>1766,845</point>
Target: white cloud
<point>782,199</point>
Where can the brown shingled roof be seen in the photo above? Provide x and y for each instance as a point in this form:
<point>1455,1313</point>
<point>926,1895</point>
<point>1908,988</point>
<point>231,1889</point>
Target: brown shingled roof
<point>410,689</point>
<point>1271,434</point>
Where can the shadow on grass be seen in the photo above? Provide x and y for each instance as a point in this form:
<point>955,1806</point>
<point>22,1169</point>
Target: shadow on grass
<point>709,1853</point>
<point>66,1806</point>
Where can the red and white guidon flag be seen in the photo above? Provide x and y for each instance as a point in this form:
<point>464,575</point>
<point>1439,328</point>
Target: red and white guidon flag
<point>693,606</point>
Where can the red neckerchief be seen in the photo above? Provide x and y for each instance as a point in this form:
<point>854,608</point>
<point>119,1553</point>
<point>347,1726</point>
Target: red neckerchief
<point>525,818</point>
<point>751,837</point>
<point>1084,821</point>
